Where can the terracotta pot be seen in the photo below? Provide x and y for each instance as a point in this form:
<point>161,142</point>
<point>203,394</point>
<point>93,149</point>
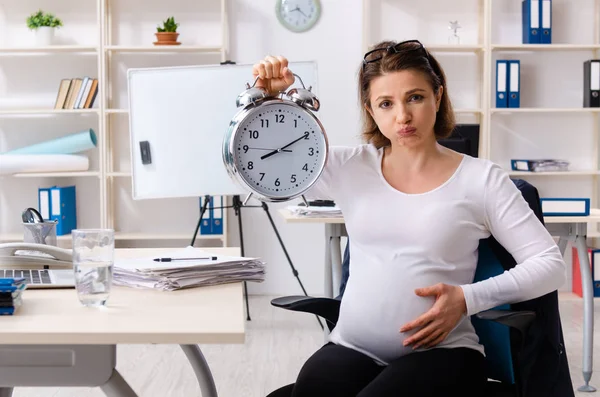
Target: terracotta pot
<point>166,38</point>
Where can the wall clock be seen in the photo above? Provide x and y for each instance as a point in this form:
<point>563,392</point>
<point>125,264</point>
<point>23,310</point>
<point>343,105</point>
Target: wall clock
<point>298,15</point>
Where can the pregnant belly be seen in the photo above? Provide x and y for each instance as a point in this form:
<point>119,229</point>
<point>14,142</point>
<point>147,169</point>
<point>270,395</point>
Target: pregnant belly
<point>371,317</point>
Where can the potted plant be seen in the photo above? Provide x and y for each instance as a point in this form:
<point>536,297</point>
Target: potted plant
<point>167,34</point>
<point>43,24</point>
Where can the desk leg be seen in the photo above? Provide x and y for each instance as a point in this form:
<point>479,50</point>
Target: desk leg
<point>562,245</point>
<point>116,386</point>
<point>6,391</point>
<point>202,370</point>
<point>588,312</point>
<point>336,264</point>
<point>328,281</point>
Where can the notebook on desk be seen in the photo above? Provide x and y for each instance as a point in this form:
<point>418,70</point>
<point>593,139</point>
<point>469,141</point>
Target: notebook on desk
<point>42,266</point>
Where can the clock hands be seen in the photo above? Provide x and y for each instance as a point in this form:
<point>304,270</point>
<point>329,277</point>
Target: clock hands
<point>261,148</point>
<point>298,9</point>
<point>283,147</point>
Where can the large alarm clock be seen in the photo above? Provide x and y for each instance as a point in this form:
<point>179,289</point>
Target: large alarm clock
<point>275,147</point>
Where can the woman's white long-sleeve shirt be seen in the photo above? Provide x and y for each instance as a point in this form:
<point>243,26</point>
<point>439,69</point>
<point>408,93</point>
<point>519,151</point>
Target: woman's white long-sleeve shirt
<point>400,242</point>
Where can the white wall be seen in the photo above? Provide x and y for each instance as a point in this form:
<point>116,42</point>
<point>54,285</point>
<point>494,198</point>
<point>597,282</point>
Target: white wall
<point>336,45</point>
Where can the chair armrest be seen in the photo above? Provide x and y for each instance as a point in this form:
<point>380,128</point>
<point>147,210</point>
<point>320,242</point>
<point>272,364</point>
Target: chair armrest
<point>520,320</point>
<point>327,308</point>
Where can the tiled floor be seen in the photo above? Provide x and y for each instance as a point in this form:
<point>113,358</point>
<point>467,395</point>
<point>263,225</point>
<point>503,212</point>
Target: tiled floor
<point>277,344</point>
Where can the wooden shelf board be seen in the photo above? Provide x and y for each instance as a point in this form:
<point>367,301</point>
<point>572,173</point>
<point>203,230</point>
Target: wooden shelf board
<point>554,173</point>
<point>51,112</point>
<point>48,49</point>
<point>57,174</point>
<point>544,47</point>
<point>544,110</point>
<point>126,236</point>
<point>164,236</point>
<point>163,48</point>
<point>454,48</point>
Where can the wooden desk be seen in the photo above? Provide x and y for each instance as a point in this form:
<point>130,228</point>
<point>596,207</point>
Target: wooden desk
<point>53,340</point>
<point>567,228</point>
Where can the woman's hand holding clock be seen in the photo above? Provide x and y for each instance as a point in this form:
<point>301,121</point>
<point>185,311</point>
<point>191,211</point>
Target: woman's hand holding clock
<point>274,74</point>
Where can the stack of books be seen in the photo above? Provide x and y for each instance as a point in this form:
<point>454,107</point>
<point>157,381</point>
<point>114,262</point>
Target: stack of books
<point>77,93</point>
<point>11,295</point>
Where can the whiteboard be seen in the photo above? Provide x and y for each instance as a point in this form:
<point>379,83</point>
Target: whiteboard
<point>183,113</point>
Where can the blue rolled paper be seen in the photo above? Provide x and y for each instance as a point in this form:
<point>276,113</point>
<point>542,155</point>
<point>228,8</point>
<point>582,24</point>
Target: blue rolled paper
<point>69,144</point>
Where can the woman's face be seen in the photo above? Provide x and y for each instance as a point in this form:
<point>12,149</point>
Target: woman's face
<point>404,107</point>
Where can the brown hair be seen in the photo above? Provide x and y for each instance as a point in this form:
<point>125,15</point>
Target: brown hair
<point>404,56</point>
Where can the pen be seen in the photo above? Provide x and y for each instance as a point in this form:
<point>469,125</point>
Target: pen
<point>212,258</point>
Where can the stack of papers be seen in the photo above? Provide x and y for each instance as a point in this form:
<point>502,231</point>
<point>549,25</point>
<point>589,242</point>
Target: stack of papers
<point>186,271</point>
<point>315,212</point>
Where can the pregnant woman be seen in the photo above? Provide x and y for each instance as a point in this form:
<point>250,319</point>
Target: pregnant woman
<point>416,212</point>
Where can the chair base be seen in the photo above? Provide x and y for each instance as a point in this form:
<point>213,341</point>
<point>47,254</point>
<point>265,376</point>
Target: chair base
<point>285,391</point>
<point>493,389</point>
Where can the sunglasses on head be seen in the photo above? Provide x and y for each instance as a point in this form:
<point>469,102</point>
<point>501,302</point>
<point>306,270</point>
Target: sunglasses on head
<point>378,53</point>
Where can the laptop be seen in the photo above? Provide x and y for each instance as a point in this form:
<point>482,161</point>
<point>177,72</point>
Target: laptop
<point>42,266</point>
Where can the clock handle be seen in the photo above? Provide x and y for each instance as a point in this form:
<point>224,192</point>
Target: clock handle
<point>253,84</point>
<point>301,82</point>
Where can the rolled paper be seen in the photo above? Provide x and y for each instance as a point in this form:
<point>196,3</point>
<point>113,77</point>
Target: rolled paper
<point>27,163</point>
<point>69,144</point>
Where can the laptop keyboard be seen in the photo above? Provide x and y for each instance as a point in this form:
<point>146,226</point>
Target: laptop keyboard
<point>33,276</point>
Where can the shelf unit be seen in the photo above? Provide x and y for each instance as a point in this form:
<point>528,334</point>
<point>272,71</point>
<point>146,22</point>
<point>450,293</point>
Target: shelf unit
<point>106,49</point>
<point>485,49</point>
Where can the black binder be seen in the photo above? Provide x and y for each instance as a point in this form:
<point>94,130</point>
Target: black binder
<point>591,83</point>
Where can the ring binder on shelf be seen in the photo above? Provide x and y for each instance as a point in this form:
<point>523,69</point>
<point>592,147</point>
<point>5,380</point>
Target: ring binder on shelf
<point>514,84</point>
<point>565,206</point>
<point>546,22</point>
<point>501,84</point>
<point>531,21</point>
<point>591,83</point>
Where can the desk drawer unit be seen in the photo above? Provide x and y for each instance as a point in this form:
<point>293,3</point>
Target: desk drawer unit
<point>56,365</point>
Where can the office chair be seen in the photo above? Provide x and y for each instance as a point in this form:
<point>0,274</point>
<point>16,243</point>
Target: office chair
<point>517,338</point>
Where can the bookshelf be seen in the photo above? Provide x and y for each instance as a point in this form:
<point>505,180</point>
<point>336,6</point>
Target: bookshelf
<point>551,121</point>
<point>116,36</point>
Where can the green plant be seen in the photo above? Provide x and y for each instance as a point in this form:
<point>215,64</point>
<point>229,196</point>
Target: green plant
<point>41,19</point>
<point>168,26</point>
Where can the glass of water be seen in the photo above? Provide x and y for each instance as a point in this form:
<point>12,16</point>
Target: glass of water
<point>93,259</point>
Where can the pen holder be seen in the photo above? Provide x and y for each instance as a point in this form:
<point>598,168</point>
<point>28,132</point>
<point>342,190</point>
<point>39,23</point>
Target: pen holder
<point>40,233</point>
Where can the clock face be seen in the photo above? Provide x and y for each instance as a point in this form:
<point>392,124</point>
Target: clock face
<point>280,149</point>
<point>298,15</point>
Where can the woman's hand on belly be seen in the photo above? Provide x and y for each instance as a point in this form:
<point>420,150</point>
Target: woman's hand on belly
<point>438,321</point>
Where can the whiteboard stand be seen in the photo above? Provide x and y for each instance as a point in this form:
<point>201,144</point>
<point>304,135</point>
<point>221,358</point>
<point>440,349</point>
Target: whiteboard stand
<point>237,207</point>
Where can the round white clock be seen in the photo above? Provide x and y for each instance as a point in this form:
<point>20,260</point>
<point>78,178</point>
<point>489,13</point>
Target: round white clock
<point>298,15</point>
<point>275,147</point>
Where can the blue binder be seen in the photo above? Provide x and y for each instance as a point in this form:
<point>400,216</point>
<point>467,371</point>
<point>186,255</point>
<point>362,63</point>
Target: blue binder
<point>63,209</point>
<point>205,224</point>
<point>565,206</point>
<point>530,10</point>
<point>501,83</point>
<point>44,203</point>
<point>217,215</point>
<point>514,84</point>
<point>546,21</point>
